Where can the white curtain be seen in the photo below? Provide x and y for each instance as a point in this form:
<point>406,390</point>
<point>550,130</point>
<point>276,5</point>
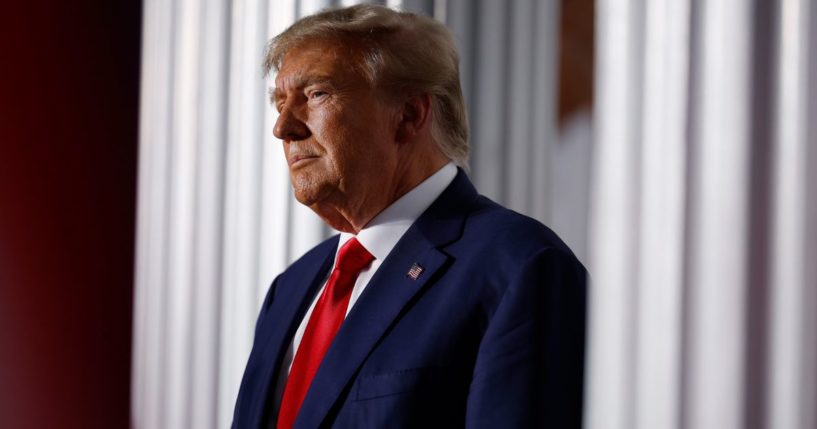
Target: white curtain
<point>217,220</point>
<point>704,215</point>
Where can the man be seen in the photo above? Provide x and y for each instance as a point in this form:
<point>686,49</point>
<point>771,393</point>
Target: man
<point>435,307</point>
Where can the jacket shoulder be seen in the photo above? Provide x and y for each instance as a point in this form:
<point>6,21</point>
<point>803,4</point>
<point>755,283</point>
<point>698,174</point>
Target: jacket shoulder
<point>508,229</point>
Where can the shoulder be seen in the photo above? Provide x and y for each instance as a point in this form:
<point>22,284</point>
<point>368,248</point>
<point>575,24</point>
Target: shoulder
<point>514,234</point>
<point>472,227</point>
<point>499,247</point>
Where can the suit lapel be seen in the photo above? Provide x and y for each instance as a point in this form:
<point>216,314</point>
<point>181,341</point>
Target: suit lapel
<point>287,311</point>
<point>388,292</point>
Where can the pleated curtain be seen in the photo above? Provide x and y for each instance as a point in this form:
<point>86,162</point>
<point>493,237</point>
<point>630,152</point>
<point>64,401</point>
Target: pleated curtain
<point>703,227</point>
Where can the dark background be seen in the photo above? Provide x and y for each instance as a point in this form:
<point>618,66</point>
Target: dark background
<point>69,77</point>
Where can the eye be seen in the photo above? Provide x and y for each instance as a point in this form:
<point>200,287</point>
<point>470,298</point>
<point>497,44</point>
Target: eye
<point>317,94</point>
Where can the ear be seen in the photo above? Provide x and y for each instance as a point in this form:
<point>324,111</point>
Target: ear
<point>414,117</point>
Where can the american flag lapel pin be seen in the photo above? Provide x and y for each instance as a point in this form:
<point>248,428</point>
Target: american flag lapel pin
<point>415,271</point>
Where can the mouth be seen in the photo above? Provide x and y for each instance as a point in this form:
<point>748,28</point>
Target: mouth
<point>297,160</point>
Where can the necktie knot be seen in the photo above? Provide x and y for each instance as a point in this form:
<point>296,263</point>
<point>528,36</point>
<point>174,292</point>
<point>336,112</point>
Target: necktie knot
<point>353,257</point>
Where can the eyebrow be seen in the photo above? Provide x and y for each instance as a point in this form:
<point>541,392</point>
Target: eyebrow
<point>299,81</point>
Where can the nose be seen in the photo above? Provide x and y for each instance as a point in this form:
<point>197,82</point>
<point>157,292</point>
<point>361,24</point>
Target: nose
<point>289,127</point>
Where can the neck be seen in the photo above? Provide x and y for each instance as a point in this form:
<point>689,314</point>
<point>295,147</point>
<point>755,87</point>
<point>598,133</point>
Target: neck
<point>352,215</point>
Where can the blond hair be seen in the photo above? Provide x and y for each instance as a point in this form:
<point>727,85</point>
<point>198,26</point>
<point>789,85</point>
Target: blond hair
<point>401,52</point>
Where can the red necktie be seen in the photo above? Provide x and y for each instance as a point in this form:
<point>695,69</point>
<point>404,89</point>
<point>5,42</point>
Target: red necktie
<point>323,324</point>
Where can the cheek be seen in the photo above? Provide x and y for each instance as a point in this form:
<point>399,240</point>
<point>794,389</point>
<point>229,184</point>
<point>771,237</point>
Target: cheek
<point>352,140</point>
<point>328,129</point>
<point>339,138</point>
<point>318,121</point>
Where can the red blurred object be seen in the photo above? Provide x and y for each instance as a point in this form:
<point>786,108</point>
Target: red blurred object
<point>68,151</point>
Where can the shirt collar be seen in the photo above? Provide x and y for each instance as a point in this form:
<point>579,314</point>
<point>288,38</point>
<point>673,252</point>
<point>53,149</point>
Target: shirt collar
<point>383,232</point>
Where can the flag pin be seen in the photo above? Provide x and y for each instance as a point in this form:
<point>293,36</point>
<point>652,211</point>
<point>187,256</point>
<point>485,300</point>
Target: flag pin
<point>415,271</point>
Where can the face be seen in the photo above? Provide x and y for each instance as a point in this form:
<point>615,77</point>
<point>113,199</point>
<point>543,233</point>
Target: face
<point>337,131</point>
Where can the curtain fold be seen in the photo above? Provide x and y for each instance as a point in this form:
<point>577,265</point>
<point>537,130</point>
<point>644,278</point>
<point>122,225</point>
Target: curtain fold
<point>703,309</point>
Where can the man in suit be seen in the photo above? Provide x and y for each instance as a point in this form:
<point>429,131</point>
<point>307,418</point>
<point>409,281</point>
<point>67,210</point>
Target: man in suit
<point>434,307</point>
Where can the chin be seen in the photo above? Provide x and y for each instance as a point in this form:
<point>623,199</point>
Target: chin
<point>309,193</point>
<point>311,187</point>
<point>305,190</point>
<point>306,198</point>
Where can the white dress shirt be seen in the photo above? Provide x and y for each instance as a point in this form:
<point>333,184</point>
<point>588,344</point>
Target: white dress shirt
<point>379,237</point>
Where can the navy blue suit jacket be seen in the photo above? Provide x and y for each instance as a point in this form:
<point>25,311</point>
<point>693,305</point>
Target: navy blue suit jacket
<point>491,334</point>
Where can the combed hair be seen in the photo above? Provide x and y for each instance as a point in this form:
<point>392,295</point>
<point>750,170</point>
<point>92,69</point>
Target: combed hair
<point>402,52</point>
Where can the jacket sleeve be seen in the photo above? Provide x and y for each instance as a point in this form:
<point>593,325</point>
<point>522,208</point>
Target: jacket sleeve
<point>530,364</point>
<point>240,412</point>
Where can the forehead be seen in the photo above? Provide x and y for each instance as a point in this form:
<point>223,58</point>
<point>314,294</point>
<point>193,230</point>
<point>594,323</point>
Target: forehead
<point>320,60</point>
